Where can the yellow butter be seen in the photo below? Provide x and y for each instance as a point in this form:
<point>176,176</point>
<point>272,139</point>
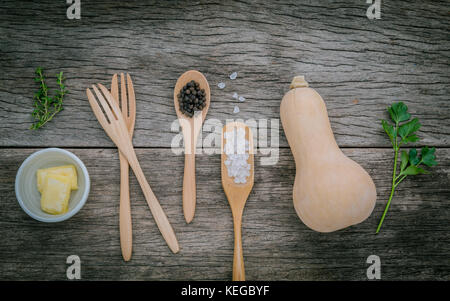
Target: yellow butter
<point>66,170</point>
<point>55,194</point>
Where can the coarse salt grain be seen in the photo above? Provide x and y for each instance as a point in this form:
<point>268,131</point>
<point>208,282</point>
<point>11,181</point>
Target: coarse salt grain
<point>236,148</point>
<point>241,98</point>
<point>221,85</point>
<point>235,95</point>
<point>233,75</point>
<point>236,110</point>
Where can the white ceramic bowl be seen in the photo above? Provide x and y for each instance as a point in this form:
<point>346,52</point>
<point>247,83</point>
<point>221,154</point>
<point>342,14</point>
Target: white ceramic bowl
<point>26,183</point>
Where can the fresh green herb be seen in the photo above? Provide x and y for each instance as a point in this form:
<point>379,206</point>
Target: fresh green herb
<point>46,107</point>
<point>402,132</point>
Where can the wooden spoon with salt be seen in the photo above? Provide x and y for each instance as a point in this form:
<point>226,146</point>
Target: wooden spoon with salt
<point>237,194</point>
<point>191,127</point>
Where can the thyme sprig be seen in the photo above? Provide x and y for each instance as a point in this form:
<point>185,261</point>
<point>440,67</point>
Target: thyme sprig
<point>45,106</point>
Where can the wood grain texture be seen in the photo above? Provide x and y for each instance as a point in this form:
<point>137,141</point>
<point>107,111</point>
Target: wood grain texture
<point>413,244</point>
<point>359,66</point>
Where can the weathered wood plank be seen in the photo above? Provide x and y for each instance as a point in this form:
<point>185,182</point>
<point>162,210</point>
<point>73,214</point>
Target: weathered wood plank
<point>414,242</point>
<point>359,66</point>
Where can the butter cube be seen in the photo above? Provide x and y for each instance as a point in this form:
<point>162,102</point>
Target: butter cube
<point>66,170</point>
<point>55,194</point>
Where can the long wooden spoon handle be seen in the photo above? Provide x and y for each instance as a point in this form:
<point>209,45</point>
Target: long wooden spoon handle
<point>189,193</point>
<point>158,213</point>
<point>126,233</point>
<point>238,259</point>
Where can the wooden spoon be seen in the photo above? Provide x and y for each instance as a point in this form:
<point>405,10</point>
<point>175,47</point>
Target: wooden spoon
<point>237,195</point>
<point>191,128</point>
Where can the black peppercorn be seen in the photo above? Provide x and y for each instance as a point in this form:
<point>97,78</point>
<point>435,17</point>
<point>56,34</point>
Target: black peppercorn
<point>191,98</point>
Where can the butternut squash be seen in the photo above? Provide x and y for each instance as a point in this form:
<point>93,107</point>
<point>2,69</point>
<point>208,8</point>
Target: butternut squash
<point>330,191</point>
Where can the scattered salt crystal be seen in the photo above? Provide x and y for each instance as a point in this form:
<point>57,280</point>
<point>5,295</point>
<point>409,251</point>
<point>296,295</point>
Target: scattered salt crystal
<point>241,98</point>
<point>235,95</point>
<point>221,85</point>
<point>233,75</point>
<point>236,109</point>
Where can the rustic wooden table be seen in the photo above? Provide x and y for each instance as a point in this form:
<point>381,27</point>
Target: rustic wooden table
<point>359,66</point>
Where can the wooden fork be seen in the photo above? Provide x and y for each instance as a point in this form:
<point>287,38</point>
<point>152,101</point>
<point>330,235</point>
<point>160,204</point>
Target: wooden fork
<point>114,125</point>
<point>128,107</point>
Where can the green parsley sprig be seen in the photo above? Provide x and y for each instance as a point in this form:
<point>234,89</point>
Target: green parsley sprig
<point>401,132</point>
<point>46,107</point>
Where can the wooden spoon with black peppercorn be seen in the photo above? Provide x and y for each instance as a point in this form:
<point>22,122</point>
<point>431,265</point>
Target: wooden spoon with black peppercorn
<point>191,98</point>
